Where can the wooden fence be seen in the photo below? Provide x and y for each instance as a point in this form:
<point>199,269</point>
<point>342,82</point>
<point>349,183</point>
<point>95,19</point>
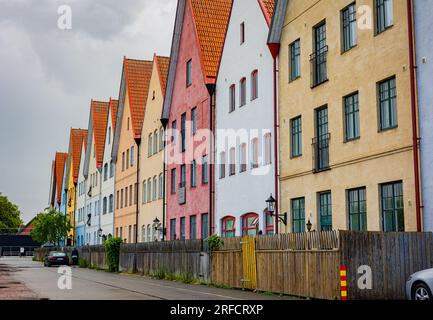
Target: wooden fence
<point>308,264</point>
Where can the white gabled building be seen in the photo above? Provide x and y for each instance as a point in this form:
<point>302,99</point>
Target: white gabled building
<point>108,171</point>
<point>244,170</point>
<point>81,208</point>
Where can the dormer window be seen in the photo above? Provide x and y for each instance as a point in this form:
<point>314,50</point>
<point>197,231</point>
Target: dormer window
<point>242,32</point>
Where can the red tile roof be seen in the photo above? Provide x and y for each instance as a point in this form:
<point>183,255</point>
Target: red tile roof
<point>211,21</point>
<point>99,125</point>
<point>268,9</point>
<point>163,65</point>
<point>60,168</point>
<point>138,73</point>
<point>77,139</point>
<point>114,106</point>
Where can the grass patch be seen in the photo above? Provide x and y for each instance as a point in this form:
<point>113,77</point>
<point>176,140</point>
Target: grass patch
<point>164,274</point>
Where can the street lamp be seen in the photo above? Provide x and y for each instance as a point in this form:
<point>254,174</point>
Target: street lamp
<point>309,225</point>
<point>100,232</point>
<point>157,225</point>
<point>271,204</point>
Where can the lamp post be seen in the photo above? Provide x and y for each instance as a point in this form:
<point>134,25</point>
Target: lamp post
<point>157,224</point>
<point>99,232</point>
<point>271,207</point>
<point>309,225</point>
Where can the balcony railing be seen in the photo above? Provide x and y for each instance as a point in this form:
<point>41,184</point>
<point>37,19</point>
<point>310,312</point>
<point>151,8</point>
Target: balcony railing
<point>319,70</point>
<point>182,193</point>
<point>321,152</point>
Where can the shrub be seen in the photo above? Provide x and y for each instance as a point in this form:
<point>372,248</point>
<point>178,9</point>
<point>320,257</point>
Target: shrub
<point>112,250</point>
<point>82,263</point>
<point>214,243</point>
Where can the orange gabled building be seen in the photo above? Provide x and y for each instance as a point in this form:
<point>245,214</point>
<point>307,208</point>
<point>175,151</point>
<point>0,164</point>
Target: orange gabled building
<point>134,90</point>
<point>60,162</point>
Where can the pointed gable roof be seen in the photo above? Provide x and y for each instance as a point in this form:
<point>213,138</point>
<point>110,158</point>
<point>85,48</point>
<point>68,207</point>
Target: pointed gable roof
<point>162,65</point>
<point>99,126</point>
<point>77,138</point>
<point>277,23</point>
<point>268,9</point>
<point>60,168</point>
<point>211,19</point>
<point>114,105</point>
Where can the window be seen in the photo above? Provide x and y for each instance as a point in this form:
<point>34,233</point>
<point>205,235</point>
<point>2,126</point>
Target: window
<point>117,200</point>
<point>155,188</point>
<point>268,148</point>
<point>127,125</point>
<point>126,196</point>
<point>250,224</point>
<point>183,131</point>
<point>254,85</point>
<point>121,198</point>
<point>388,104</point>
<point>182,176</point>
<point>135,193</point>
<point>104,205</point>
<point>242,92</point>
<point>173,180</point>
<point>193,227</point>
<point>189,73</point>
<point>173,129</point>
<point>243,157</point>
<point>149,145</point>
<point>392,207</point>
<point>325,211</point>
<point>182,228</point>
<point>155,142</point>
<point>123,161</point>
<point>222,165</point>
<point>228,227</point>
<point>232,157</point>
<point>132,156</point>
<point>298,215</point>
<point>131,191</point>
<point>269,223</point>
<point>318,59</point>
<point>143,192</point>
<point>242,32</point>
<point>204,226</point>
<point>129,234</point>
<point>357,209</point>
<point>193,174</point>
<point>255,153</point>
<point>111,169</point>
<point>173,229</point>
<point>232,98</point>
<point>296,136</point>
<point>205,178</point>
<point>109,135</point>
<point>295,60</point>
<point>105,172</point>
<point>349,26</point>
<point>161,186</point>
<point>111,204</point>
<point>194,121</point>
<point>384,15</point>
<point>143,233</point>
<point>321,142</point>
<point>149,234</point>
<point>149,190</point>
<point>127,159</point>
<point>351,117</point>
<point>161,139</point>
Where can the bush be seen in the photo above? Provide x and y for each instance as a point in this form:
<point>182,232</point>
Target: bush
<point>112,250</point>
<point>214,243</point>
<point>82,263</point>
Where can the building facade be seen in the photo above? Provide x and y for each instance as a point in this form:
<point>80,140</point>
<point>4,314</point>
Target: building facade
<point>423,11</point>
<point>346,152</point>
<point>134,90</point>
<point>81,213</point>
<point>200,29</point>
<point>245,175</point>
<point>108,172</point>
<point>151,157</point>
<point>93,167</point>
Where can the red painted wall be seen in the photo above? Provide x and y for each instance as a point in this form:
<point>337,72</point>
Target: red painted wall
<point>184,100</point>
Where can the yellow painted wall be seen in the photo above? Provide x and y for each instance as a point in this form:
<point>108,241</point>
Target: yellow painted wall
<point>71,204</point>
<point>377,157</point>
<point>151,166</point>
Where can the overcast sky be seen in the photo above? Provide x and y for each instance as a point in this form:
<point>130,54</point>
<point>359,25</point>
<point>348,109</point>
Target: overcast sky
<point>48,77</point>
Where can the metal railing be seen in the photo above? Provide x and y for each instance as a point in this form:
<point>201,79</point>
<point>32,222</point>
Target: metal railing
<point>320,147</point>
<point>319,70</point>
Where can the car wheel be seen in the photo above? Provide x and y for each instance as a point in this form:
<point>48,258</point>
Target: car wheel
<point>422,292</point>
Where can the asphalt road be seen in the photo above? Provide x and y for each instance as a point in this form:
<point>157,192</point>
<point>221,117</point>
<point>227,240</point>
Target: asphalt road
<point>99,285</point>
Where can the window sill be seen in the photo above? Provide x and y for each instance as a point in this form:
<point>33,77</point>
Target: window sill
<point>351,140</point>
<point>387,129</point>
<point>319,84</point>
<point>292,157</point>
<point>376,33</point>
<point>317,171</point>
<point>343,52</point>
<point>295,79</point>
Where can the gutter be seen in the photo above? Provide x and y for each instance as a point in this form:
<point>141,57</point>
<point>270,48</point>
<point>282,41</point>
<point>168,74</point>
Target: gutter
<point>415,137</point>
<point>211,89</point>
<point>164,123</point>
<point>138,142</point>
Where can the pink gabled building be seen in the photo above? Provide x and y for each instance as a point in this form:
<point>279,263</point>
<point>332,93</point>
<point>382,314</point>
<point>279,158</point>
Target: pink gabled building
<point>189,109</point>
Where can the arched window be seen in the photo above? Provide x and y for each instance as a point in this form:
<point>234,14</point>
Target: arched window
<point>111,203</point>
<point>161,139</point>
<point>232,156</point>
<point>269,220</point>
<point>161,186</point>
<point>104,205</point>
<point>255,153</point>
<point>155,188</point>
<point>254,84</point>
<point>143,200</point>
<point>232,98</point>
<point>268,148</point>
<point>149,190</point>
<point>242,92</point>
<point>105,172</point>
<point>243,157</point>
<point>155,142</point>
<point>149,145</point>
<point>143,233</point>
<point>228,229</point>
<point>148,233</point>
<point>250,224</point>
<point>222,165</point>
<point>111,169</point>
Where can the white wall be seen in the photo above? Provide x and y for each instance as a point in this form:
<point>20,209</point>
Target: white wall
<point>80,210</point>
<point>244,192</point>
<point>94,202</point>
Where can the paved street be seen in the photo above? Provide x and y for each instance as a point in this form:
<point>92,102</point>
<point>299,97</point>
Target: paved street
<point>91,284</point>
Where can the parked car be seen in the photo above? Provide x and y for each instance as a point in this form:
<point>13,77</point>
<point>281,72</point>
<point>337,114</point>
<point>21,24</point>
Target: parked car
<point>56,258</point>
<point>420,286</point>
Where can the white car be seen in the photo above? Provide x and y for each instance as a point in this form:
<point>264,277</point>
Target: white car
<point>420,286</point>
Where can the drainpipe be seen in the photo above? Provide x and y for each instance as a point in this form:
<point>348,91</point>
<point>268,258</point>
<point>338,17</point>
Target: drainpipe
<point>138,142</point>
<point>211,90</point>
<point>415,138</point>
<point>164,123</point>
<point>275,48</point>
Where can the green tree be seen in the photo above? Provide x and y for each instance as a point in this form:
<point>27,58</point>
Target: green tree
<point>10,220</point>
<point>50,226</point>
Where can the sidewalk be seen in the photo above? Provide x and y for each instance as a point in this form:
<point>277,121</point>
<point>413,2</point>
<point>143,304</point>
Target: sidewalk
<point>10,289</point>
